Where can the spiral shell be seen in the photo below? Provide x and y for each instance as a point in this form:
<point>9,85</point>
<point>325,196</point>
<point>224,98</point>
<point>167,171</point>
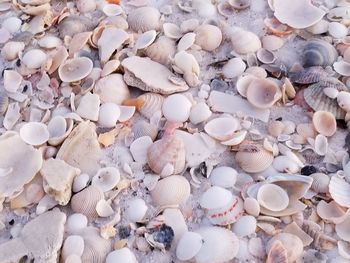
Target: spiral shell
<point>318,52</point>
<point>144,19</point>
<point>253,158</point>
<point>308,75</point>
<point>320,182</point>
<point>167,151</point>
<point>85,201</point>
<point>172,190</point>
<point>162,50</point>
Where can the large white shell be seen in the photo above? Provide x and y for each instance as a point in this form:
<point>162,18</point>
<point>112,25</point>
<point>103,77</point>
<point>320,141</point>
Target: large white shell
<point>182,105</point>
<point>136,210</point>
<point>124,255</point>
<point>108,115</point>
<point>223,176</point>
<point>222,128</point>
<point>273,197</point>
<point>337,30</point>
<point>34,133</point>
<point>215,197</point>
<point>75,69</point>
<point>106,178</point>
<point>189,245</point>
<point>73,245</point>
<point>34,58</point>
<point>244,226</point>
<point>339,189</point>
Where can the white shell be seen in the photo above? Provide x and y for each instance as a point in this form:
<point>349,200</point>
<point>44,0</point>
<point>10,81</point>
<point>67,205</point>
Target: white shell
<point>263,93</point>
<point>343,99</point>
<point>208,37</point>
<point>285,165</point>
<point>34,58</point>
<point>50,42</point>
<point>80,182</point>
<point>186,64</point>
<point>85,6</point>
<point>112,88</point>
<point>272,42</point>
<point>273,197</point>
<point>176,108</point>
<point>104,209</point>
<point>243,83</point>
<point>320,182</point>
<point>331,212</point>
<point>108,115</point>
<point>189,245</point>
<point>106,178</point>
<point>139,148</point>
<point>172,30</point>
<point>342,67</point>
<point>222,128</point>
<point>244,42</point>
<point>75,222</point>
<point>223,176</point>
<point>73,259</point>
<point>186,41</point>
<point>233,68</point>
<point>331,92</point>
<point>136,210</point>
<point>12,80</point>
<point>244,226</point>
<point>321,145</point>
<point>34,133</point>
<point>75,69</point>
<point>89,107</point>
<point>112,10</point>
<point>265,56</point>
<point>146,39</point>
<point>338,188</point>
<point>324,123</point>
<point>337,30</point>
<point>343,229</point>
<point>11,50</point>
<point>12,24</point>
<point>144,19</point>
<point>124,255</point>
<point>126,113</point>
<point>251,206</point>
<point>73,245</point>
<point>236,139</point>
<point>215,197</point>
<point>200,112</point>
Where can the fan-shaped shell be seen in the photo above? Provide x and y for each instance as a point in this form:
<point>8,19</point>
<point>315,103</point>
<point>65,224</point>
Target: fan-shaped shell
<point>263,93</point>
<point>182,105</point>
<point>244,42</point>
<point>143,128</point>
<point>162,50</point>
<point>272,197</point>
<point>339,189</point>
<point>292,243</point>
<point>112,88</point>
<point>324,123</point>
<point>106,178</point>
<point>308,75</point>
<point>34,133</point>
<point>121,255</point>
<point>320,182</point>
<point>167,151</point>
<point>172,190</point>
<point>85,201</point>
<point>318,52</point>
<point>189,245</point>
<point>253,158</point>
<point>144,19</point>
<point>277,253</point>
<point>222,128</point>
<point>147,104</point>
<point>75,69</point>
<point>244,226</point>
<point>223,176</point>
<point>208,37</point>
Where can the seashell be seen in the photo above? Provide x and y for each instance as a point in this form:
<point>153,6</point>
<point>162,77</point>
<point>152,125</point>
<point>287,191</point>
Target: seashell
<point>343,249</point>
<point>285,165</point>
<point>223,176</point>
<point>112,10</point>
<point>112,88</point>
<point>243,83</point>
<point>342,67</point>
<point>106,178</point>
<point>343,100</point>
<point>34,133</point>
<point>136,210</point>
<point>186,64</point>
<point>182,104</point>
<point>73,245</point>
<point>318,28</point>
<point>275,128</point>
<point>85,201</point>
<point>74,24</point>
<point>145,39</point>
<point>85,6</point>
<point>306,130</point>
<point>200,113</point>
<point>50,42</point>
<point>58,58</point>
<point>12,80</point>
<point>244,42</point>
<point>186,41</point>
<point>265,56</point>
<point>318,52</point>
<point>321,145</point>
<point>108,115</point>
<point>189,245</point>
<point>295,229</point>
<point>139,148</point>
<point>331,212</point>
<point>12,115</point>
<point>277,253</point>
<point>284,11</point>
<point>121,255</point>
<point>104,209</point>
<point>162,50</point>
<point>80,182</point>
<point>324,123</point>
<point>172,31</point>
<point>337,30</point>
<point>253,158</point>
<point>89,107</point>
<point>34,58</point>
<point>251,206</point>
<point>272,197</point>
<point>275,27</point>
<point>320,240</point>
<point>73,259</point>
<point>308,75</point>
<point>342,229</point>
<point>208,37</point>
<point>338,188</point>
<point>320,182</point>
<point>238,137</point>
<point>219,245</point>
<point>75,69</point>
<point>11,50</point>
<point>244,226</point>
<point>76,222</point>
<point>147,104</point>
<point>239,4</point>
<point>233,68</point>
<point>215,198</point>
<point>292,244</point>
<point>143,128</point>
<point>172,190</point>
<point>110,67</point>
<point>144,19</point>
<point>222,128</point>
<point>271,42</point>
<point>168,150</point>
<point>263,93</point>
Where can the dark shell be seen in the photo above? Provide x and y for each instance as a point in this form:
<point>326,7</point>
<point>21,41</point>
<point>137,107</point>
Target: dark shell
<point>308,75</point>
<point>318,52</point>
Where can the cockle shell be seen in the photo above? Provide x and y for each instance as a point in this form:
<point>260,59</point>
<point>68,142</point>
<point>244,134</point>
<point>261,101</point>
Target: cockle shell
<point>34,58</point>
<point>272,197</point>
<point>108,115</point>
<point>112,88</point>
<point>208,37</point>
<point>277,253</point>
<point>172,190</point>
<point>308,75</point>
<point>253,158</point>
<point>11,50</point>
<point>189,245</point>
<point>167,151</point>
<point>144,19</point>
<point>75,69</point>
<point>136,210</point>
<point>324,123</point>
<point>233,68</point>
<point>244,42</point>
<point>121,255</point>
<point>106,178</point>
<point>222,128</point>
<point>12,24</point>
<point>292,243</point>
<point>85,201</point>
<point>147,104</point>
<point>263,93</point>
<point>34,133</point>
<point>183,105</point>
<point>12,80</point>
<point>162,50</point>
<point>320,182</point>
<point>338,189</point>
<point>318,52</point>
<point>223,176</point>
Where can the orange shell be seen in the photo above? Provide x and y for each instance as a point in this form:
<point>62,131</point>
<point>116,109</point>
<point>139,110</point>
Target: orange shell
<point>116,2</point>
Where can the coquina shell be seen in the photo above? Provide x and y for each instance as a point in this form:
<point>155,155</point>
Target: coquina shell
<point>144,19</point>
<point>189,245</point>
<point>162,50</point>
<point>208,37</point>
<point>85,201</point>
<point>263,93</point>
<point>324,123</point>
<point>253,158</point>
<point>172,190</point>
<point>244,42</point>
<point>318,52</point>
<point>292,243</point>
<point>167,151</point>
<point>339,189</point>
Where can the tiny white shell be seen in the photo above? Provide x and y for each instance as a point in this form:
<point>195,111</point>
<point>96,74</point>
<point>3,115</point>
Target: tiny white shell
<point>104,209</point>
<point>244,226</point>
<point>176,108</point>
<point>136,210</point>
<point>108,115</point>
<point>106,178</point>
<point>233,68</point>
<point>139,148</point>
<point>199,113</point>
<point>189,245</point>
<point>75,222</point>
<point>321,145</point>
<point>124,255</point>
<point>34,133</point>
<point>223,176</point>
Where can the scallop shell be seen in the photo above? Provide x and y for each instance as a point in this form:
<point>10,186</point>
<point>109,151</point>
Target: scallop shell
<point>244,226</point>
<point>331,212</point>
<point>208,37</point>
<point>136,210</point>
<point>139,148</point>
<point>143,128</point>
<point>34,58</point>
<point>11,50</point>
<point>324,123</point>
<point>162,50</point>
<point>75,69</point>
<point>320,182</point>
<point>318,101</point>
<point>277,253</point>
<point>239,4</point>
<point>338,189</point>
<point>106,178</point>
<point>265,56</point>
<point>223,176</point>
<point>233,68</point>
<point>34,133</point>
<point>85,201</point>
<point>271,42</point>
<point>272,197</point>
<point>263,93</point>
<point>169,150</point>
<point>189,245</point>
<point>172,190</point>
<point>147,104</point>
<point>253,158</point>
<point>222,128</point>
<point>183,105</point>
<point>12,80</point>
<point>244,42</point>
<point>252,206</point>
<point>144,19</point>
<point>121,255</point>
<point>112,88</point>
<point>292,243</point>
<point>308,75</point>
<point>318,52</point>
<point>219,245</point>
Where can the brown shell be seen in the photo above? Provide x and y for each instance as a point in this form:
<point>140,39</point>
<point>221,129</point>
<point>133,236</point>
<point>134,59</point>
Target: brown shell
<point>85,201</point>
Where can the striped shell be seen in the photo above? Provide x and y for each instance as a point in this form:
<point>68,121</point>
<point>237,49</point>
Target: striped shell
<point>85,201</point>
<point>318,52</point>
<point>339,189</point>
<point>318,100</point>
<point>253,158</point>
<point>144,19</point>
<point>143,128</point>
<point>172,190</point>
<point>320,182</point>
<point>228,214</point>
<point>167,151</point>
<point>308,75</point>
<point>277,253</point>
<point>147,104</point>
<point>292,243</point>
<point>162,50</point>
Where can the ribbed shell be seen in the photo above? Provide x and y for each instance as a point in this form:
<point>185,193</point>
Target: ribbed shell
<point>169,150</point>
<point>144,19</point>
<point>253,158</point>
<point>317,100</point>
<point>320,182</point>
<point>150,103</point>
<point>292,243</point>
<point>339,190</point>
<point>228,214</point>
<point>277,253</point>
<point>172,190</point>
<point>85,201</point>
<point>308,75</point>
<point>162,50</point>
<point>318,52</point>
<point>143,128</point>
<point>4,102</point>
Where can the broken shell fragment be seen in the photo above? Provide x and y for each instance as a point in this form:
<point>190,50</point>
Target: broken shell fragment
<point>324,123</point>
<point>75,69</point>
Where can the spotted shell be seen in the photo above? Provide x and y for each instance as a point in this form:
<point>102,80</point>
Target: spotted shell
<point>318,52</point>
<point>162,50</point>
<point>144,19</point>
<point>172,190</point>
<point>85,201</point>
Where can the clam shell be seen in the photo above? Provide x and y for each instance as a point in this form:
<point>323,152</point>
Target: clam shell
<point>337,30</point>
<point>85,201</point>
<point>320,182</point>
<point>308,75</point>
<point>219,245</point>
<point>237,138</point>
<point>121,255</point>
<point>233,68</point>
<point>263,93</point>
<point>73,245</point>
<point>162,50</point>
<point>199,113</point>
<point>172,31</point>
<point>172,190</point>
<point>183,105</point>
<point>318,52</point>
<point>112,88</point>
<point>139,148</point>
<point>189,245</point>
<point>186,41</point>
<point>222,128</point>
<point>143,128</point>
<point>215,198</point>
<point>76,222</point>
<point>106,178</point>
<point>342,229</point>
<point>318,28</point>
<point>34,133</point>
<point>253,158</point>
<point>252,206</point>
<point>342,67</point>
<point>34,58</point>
<point>11,50</point>
<point>244,226</point>
<point>292,243</point>
<point>50,42</point>
<point>104,209</point>
<point>145,39</point>
<point>12,80</point>
<point>273,197</point>
<point>277,253</point>
<point>75,69</point>
<point>324,123</point>
<point>80,182</point>
<point>343,99</point>
<point>338,189</point>
<point>244,42</point>
<point>169,150</point>
<point>136,210</point>
<point>223,176</point>
<point>331,212</point>
<point>265,56</point>
<point>243,83</point>
<point>208,37</point>
<point>271,42</point>
<point>108,115</point>
<point>144,19</point>
<point>284,164</point>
